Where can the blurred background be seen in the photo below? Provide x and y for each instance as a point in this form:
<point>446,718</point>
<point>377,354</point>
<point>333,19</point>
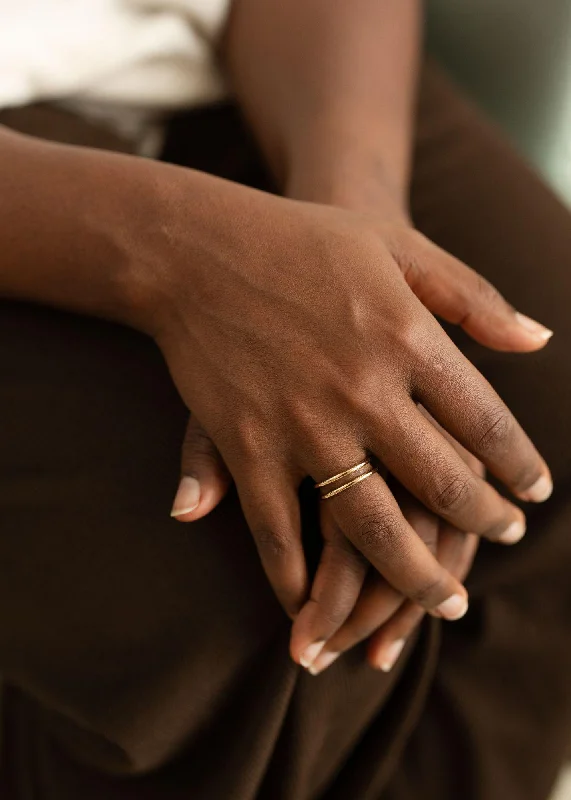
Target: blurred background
<point>514,57</point>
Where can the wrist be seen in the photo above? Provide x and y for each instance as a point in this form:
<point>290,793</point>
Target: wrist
<point>340,172</point>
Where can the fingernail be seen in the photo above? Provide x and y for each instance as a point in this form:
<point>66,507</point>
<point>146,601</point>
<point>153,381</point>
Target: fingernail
<point>187,497</point>
<point>391,655</point>
<point>513,533</point>
<point>535,328</point>
<point>540,490</point>
<point>453,608</point>
<point>322,663</point>
<point>310,653</point>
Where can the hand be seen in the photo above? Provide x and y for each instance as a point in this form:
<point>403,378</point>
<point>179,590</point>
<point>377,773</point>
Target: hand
<point>302,350</point>
<point>380,614</point>
<point>289,329</point>
<point>446,286</point>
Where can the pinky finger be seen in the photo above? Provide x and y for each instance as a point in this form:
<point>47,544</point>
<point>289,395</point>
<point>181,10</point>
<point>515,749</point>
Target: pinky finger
<point>273,515</point>
<point>205,479</point>
<point>334,593</point>
<point>386,644</point>
<point>456,550</point>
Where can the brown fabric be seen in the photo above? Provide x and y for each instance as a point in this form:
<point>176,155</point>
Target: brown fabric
<point>144,660</point>
<point>59,125</point>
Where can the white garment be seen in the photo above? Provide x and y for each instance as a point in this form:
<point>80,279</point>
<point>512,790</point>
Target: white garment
<point>125,61</point>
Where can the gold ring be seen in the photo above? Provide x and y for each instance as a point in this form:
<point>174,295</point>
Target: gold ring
<point>345,474</point>
<point>347,485</point>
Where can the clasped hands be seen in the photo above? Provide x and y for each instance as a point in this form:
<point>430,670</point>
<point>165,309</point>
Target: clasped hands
<point>307,342</point>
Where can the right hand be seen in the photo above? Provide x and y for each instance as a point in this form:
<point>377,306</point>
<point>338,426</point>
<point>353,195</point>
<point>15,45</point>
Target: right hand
<point>301,348</point>
<point>379,614</point>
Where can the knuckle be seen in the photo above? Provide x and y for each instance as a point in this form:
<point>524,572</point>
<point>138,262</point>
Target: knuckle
<point>332,612</point>
<point>378,532</point>
<point>479,295</point>
<point>351,563</point>
<point>200,445</point>
<point>428,593</point>
<point>457,493</point>
<point>249,441</point>
<point>495,430</point>
<point>413,267</point>
<point>486,293</point>
<point>410,336</point>
<point>272,542</point>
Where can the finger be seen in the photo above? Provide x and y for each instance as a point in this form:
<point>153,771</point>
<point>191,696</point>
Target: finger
<point>465,404</point>
<point>205,479</point>
<point>458,294</point>
<point>387,643</point>
<point>432,470</point>
<point>271,508</point>
<point>370,518</point>
<point>453,548</point>
<point>425,524</point>
<point>474,464</point>
<point>378,601</point>
<point>336,587</point>
<point>380,611</point>
<point>376,605</point>
<point>456,551</point>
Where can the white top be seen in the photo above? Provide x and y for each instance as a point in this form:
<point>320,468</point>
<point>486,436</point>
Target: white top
<point>128,61</point>
<point>123,60</point>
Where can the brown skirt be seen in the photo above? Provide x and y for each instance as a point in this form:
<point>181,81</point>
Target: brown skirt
<point>146,661</point>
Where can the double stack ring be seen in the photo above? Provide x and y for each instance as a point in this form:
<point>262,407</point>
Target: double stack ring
<point>345,474</point>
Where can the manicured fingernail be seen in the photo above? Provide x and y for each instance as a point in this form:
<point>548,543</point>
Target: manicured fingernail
<point>322,663</point>
<point>453,608</point>
<point>391,655</point>
<point>540,490</point>
<point>310,653</point>
<point>513,533</point>
<point>535,328</point>
<point>187,497</point>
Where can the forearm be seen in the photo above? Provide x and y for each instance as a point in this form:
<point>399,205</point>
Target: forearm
<point>56,207</point>
<point>329,90</point>
<point>96,232</point>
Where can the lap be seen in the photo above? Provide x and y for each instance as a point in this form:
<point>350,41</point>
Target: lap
<point>153,640</point>
<point>133,641</point>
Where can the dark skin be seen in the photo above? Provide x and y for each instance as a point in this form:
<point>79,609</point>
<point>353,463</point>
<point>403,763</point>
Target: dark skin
<point>299,331</point>
<point>380,614</point>
<point>332,110</point>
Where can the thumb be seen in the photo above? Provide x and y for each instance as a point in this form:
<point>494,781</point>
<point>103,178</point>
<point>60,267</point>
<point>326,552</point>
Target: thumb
<point>205,479</point>
<point>458,294</point>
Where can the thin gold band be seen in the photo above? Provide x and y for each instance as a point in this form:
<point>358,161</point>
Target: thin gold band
<point>342,474</point>
<point>347,485</point>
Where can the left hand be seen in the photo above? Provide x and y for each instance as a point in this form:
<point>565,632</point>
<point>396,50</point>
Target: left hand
<point>368,607</point>
<point>447,287</point>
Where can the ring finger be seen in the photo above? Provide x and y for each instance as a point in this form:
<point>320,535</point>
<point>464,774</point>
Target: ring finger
<point>370,517</point>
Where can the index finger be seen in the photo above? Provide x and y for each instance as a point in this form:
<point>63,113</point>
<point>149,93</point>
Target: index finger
<point>371,519</point>
<point>467,406</point>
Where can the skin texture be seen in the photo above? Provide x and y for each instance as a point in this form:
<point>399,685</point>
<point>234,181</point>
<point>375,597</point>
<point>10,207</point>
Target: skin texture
<point>379,613</point>
<point>299,333</point>
<point>332,110</point>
